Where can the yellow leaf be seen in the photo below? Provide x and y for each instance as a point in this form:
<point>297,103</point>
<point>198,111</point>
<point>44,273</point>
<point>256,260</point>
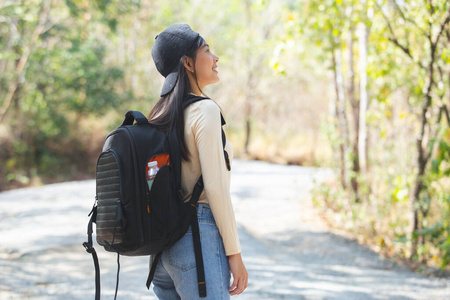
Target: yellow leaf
<point>402,195</point>
<point>446,55</point>
<point>335,32</point>
<point>388,113</point>
<point>290,17</point>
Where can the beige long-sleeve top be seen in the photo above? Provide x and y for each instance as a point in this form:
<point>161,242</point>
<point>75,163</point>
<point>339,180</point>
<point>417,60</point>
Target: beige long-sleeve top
<point>203,136</point>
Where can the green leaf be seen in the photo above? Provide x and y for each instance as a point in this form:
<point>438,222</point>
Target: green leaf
<point>435,166</point>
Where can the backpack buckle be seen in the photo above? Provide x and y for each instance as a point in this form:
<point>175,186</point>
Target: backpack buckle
<point>88,247</point>
<point>180,193</point>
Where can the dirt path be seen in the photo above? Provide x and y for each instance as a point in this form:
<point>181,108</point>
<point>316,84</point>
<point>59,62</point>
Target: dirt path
<point>288,252</point>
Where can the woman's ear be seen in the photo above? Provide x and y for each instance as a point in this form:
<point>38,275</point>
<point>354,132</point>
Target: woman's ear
<point>188,64</point>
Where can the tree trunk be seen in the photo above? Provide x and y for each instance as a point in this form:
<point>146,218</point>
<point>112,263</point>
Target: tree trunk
<point>342,126</point>
<point>364,99</point>
<point>422,158</point>
<point>247,127</point>
<point>448,67</point>
<point>249,91</point>
<point>13,33</point>
<point>355,110</point>
<point>133,54</point>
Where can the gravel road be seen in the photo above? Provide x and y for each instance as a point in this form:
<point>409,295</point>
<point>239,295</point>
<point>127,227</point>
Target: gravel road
<point>288,251</point>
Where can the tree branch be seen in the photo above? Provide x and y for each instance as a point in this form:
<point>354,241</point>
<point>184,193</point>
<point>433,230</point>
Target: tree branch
<point>442,110</point>
<point>406,50</point>
<point>402,13</point>
<point>431,82</point>
<point>431,6</point>
<point>395,40</point>
<point>4,62</point>
<point>43,17</point>
<point>446,114</point>
<point>445,21</point>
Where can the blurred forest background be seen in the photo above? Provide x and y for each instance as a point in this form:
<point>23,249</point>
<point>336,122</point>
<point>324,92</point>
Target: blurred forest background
<point>359,86</point>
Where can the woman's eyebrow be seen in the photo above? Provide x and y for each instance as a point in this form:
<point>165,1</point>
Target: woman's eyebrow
<point>205,45</point>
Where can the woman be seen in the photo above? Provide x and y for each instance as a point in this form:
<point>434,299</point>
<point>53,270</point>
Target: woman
<point>182,56</point>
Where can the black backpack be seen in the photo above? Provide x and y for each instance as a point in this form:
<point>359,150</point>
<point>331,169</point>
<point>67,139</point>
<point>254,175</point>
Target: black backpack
<point>131,219</point>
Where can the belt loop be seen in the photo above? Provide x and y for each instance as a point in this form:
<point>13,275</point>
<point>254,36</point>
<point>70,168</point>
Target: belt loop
<point>199,209</point>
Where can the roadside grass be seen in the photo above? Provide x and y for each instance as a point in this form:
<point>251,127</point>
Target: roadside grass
<point>379,222</point>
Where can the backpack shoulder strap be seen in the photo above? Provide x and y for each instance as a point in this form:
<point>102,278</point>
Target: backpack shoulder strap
<point>199,186</point>
<point>90,249</point>
<point>192,99</point>
<point>224,142</point>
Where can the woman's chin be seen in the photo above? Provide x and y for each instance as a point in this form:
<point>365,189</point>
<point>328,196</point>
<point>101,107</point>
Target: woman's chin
<point>215,80</point>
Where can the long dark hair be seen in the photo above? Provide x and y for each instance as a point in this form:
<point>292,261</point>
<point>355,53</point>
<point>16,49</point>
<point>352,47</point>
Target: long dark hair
<point>168,113</point>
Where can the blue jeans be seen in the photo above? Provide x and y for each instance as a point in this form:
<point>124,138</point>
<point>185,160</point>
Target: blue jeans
<point>176,272</point>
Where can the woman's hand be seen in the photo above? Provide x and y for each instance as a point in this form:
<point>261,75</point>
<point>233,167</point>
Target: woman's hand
<point>240,275</point>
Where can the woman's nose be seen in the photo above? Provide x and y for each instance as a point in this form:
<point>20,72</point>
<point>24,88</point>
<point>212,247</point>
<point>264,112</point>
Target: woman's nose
<point>216,58</point>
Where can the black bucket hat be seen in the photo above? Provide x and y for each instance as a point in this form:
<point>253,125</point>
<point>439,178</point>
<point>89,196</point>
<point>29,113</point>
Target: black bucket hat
<point>169,47</point>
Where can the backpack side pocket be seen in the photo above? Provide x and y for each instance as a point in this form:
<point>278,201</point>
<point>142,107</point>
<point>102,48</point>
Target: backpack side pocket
<point>110,219</point>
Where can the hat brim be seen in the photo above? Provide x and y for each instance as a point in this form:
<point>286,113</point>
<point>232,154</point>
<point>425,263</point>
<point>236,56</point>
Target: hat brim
<point>169,83</point>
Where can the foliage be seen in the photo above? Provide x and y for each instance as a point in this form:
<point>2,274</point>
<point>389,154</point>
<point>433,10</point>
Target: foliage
<point>407,81</point>
<point>65,82</point>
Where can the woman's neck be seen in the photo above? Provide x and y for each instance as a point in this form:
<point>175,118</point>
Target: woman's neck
<point>195,88</point>
<point>195,93</point>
